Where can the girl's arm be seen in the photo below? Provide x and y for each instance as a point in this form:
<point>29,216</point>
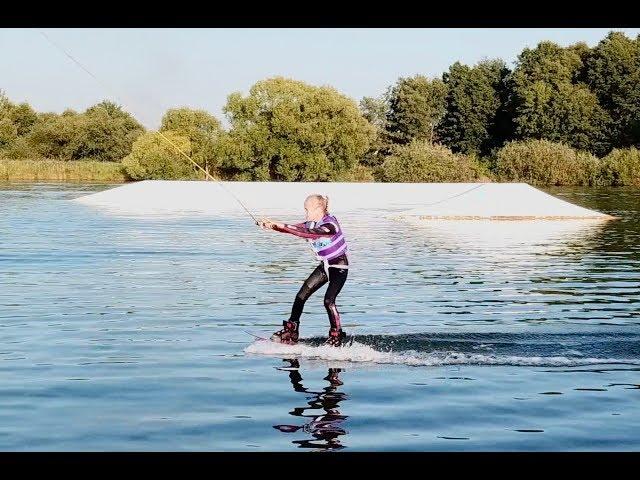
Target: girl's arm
<point>268,224</point>
<point>301,230</point>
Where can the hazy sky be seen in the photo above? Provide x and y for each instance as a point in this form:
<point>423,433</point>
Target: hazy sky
<point>150,70</point>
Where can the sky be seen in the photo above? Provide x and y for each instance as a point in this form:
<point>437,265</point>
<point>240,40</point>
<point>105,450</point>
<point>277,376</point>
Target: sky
<point>150,70</point>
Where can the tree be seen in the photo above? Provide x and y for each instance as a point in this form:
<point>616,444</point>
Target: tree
<point>5,105</point>
<point>548,63</point>
<point>474,120</point>
<point>103,132</point>
<point>23,117</point>
<point>15,120</point>
<point>613,73</point>
<point>15,123</point>
<point>19,149</point>
<point>8,133</point>
<point>52,135</point>
<point>584,52</point>
<point>416,105</point>
<point>550,103</point>
<point>201,128</point>
<point>153,158</point>
<point>376,111</point>
<point>289,130</point>
<point>566,113</point>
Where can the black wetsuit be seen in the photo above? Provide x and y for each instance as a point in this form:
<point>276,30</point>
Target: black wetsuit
<point>337,276</point>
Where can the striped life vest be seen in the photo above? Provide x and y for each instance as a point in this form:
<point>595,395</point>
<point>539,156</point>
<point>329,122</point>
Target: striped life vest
<point>327,248</point>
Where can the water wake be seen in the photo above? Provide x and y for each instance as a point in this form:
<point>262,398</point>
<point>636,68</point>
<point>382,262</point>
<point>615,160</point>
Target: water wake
<point>466,349</point>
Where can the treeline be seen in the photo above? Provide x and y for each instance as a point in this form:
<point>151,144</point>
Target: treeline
<point>560,116</point>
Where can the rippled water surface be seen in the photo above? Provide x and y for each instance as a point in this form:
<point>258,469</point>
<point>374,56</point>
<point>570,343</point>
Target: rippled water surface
<point>130,333</point>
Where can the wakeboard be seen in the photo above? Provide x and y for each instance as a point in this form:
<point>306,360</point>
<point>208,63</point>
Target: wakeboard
<point>311,342</point>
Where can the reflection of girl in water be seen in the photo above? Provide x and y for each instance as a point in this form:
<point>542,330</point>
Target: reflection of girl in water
<point>326,426</point>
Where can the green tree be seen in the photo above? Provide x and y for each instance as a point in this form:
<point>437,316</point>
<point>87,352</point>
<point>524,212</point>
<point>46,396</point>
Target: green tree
<point>549,63</point>
<point>153,158</point>
<point>376,111</point>
<point>474,120</point>
<point>19,149</point>
<point>103,132</point>
<point>201,128</point>
<point>567,113</point>
<point>8,133</point>
<point>613,73</point>
<point>289,130</point>
<point>21,116</point>
<point>550,103</point>
<point>584,52</point>
<point>416,105</point>
<point>52,135</point>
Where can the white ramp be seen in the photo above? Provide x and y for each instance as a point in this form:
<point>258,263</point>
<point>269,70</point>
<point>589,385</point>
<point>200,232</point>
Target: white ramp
<point>446,201</point>
<point>504,201</point>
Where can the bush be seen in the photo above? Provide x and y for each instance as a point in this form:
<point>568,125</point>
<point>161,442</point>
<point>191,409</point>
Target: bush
<point>420,161</point>
<point>541,162</point>
<point>153,158</point>
<point>622,167</point>
<point>20,148</point>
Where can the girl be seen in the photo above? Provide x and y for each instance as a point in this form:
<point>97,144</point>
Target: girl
<point>323,231</point>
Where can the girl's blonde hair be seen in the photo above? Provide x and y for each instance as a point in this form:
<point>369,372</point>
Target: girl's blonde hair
<point>323,200</point>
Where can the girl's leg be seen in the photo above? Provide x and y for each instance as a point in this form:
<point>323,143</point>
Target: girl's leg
<point>316,280</point>
<point>337,278</point>
<point>290,332</point>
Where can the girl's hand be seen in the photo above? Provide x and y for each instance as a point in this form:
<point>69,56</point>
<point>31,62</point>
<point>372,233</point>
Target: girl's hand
<point>265,224</point>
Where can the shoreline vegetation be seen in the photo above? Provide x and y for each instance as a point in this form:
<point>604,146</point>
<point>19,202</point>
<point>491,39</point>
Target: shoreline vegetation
<point>560,116</point>
<point>536,162</point>
<point>46,170</point>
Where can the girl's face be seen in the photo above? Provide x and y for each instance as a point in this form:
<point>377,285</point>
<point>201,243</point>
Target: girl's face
<point>313,210</point>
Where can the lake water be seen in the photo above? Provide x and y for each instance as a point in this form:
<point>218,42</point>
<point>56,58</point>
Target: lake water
<point>129,333</point>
